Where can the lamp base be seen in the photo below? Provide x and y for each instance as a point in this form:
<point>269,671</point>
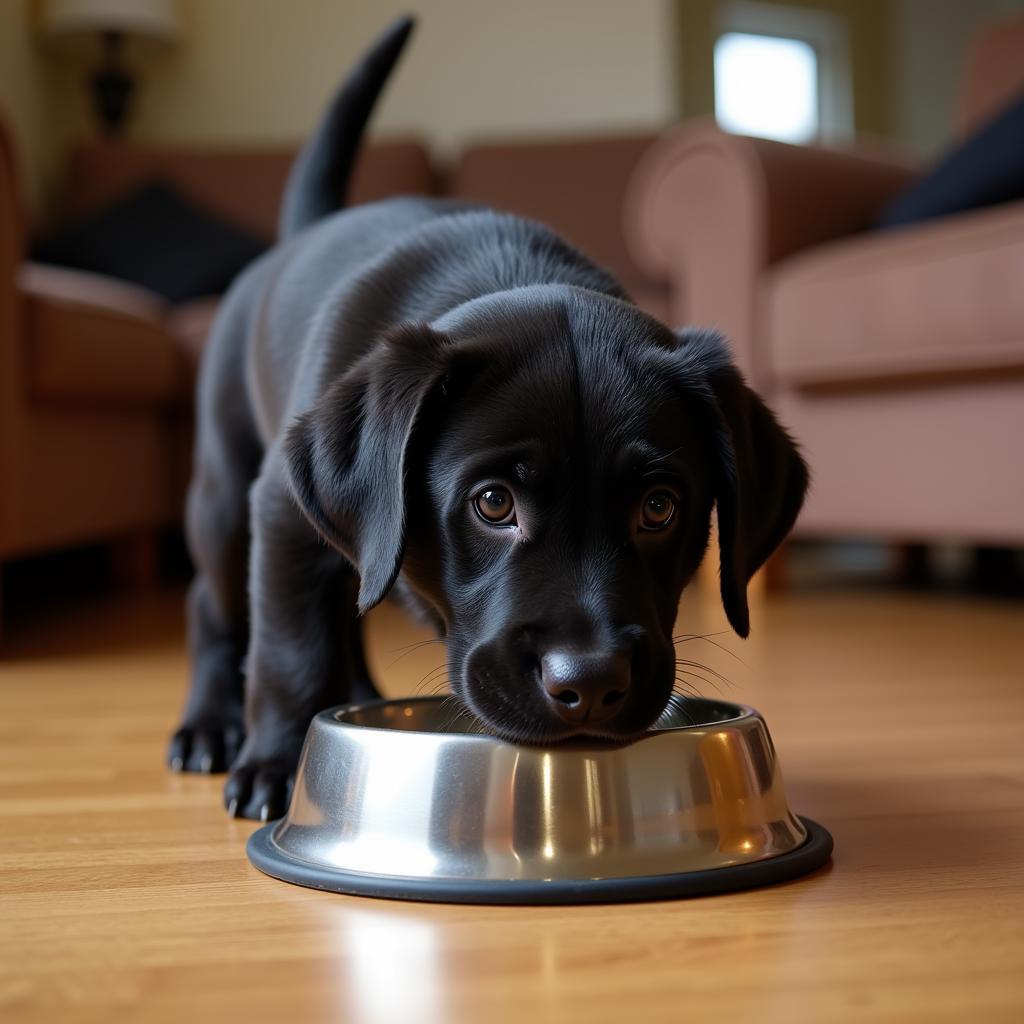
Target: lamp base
<point>112,87</point>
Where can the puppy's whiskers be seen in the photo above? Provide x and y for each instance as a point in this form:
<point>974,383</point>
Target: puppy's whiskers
<point>686,692</point>
<point>458,711</point>
<point>683,638</point>
<point>408,649</point>
<point>689,673</point>
<point>437,676</point>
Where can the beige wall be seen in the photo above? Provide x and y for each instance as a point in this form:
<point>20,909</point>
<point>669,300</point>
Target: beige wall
<point>930,39</point>
<point>22,95</point>
<point>261,69</point>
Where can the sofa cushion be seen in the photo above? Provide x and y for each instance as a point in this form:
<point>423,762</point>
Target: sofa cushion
<point>942,297</point>
<point>155,238</point>
<point>985,169</point>
<point>96,340</point>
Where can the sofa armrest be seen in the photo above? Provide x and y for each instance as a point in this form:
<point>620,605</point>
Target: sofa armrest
<point>83,288</point>
<point>94,340</point>
<point>708,211</point>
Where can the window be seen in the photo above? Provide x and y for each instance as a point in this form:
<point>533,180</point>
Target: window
<point>767,85</point>
<point>783,72</point>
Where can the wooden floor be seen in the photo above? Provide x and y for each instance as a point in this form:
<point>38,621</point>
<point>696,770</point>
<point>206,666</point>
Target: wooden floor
<point>125,894</point>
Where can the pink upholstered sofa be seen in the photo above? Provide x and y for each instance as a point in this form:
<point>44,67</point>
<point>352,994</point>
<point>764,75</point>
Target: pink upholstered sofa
<point>896,357</point>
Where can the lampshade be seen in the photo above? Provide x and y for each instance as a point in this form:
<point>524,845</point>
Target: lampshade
<point>154,19</point>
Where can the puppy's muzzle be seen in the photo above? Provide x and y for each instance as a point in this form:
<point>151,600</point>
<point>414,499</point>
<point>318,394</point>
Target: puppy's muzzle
<point>585,688</point>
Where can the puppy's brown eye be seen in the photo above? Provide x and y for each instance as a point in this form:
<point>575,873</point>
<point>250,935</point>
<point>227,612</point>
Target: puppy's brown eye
<point>658,510</point>
<point>495,506</point>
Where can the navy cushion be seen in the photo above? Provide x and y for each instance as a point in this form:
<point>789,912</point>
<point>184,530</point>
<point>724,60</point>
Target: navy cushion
<point>156,238</point>
<point>987,168</point>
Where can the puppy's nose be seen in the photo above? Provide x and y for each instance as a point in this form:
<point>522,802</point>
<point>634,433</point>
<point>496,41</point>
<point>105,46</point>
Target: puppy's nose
<point>585,688</point>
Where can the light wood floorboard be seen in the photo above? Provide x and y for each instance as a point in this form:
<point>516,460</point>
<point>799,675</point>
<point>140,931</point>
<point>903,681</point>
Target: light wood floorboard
<point>125,893</point>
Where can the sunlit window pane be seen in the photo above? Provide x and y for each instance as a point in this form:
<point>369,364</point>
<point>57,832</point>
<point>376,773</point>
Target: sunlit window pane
<point>767,86</point>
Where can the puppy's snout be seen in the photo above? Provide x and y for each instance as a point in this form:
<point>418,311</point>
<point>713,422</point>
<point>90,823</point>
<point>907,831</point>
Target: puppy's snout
<point>585,688</point>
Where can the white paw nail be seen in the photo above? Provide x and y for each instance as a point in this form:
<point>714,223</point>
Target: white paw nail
<point>206,764</point>
<point>233,808</point>
<point>265,812</point>
<point>177,764</point>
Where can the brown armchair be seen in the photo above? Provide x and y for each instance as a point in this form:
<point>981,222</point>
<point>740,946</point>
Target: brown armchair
<point>896,357</point>
<point>85,382</point>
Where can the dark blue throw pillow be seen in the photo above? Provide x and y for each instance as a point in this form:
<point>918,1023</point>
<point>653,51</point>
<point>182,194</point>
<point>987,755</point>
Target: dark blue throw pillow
<point>158,239</point>
<point>986,169</point>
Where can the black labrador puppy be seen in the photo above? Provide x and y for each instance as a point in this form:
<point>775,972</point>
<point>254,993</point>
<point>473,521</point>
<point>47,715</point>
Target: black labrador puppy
<point>423,397</point>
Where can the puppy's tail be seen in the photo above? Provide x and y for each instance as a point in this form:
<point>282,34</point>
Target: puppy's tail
<point>319,177</point>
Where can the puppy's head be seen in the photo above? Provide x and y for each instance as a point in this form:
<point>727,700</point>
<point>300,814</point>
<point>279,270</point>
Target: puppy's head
<point>542,466</point>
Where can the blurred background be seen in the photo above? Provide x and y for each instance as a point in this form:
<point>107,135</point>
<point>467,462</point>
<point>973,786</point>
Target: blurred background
<point>836,185</point>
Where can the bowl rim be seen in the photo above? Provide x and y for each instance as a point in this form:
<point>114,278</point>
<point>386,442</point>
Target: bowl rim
<point>332,718</point>
<point>266,855</point>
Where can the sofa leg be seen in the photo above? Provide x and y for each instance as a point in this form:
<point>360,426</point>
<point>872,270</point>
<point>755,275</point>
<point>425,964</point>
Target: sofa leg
<point>135,561</point>
<point>914,567</point>
<point>776,575</point>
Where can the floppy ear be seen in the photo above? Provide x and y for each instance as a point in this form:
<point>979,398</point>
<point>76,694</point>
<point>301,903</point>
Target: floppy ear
<point>346,457</point>
<point>761,478</point>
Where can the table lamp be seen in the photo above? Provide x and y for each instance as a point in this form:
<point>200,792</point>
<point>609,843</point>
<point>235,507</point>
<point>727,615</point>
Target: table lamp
<point>112,84</point>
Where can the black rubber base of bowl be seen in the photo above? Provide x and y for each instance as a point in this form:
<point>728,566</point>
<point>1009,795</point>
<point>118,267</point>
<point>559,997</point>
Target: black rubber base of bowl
<point>812,854</point>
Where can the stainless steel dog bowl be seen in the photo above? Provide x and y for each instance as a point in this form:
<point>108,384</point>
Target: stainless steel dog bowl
<point>406,799</point>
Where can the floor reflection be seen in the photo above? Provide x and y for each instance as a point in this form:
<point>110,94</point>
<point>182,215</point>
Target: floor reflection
<point>391,968</point>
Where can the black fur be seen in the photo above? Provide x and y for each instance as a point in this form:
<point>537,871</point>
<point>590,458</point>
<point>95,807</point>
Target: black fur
<point>366,380</point>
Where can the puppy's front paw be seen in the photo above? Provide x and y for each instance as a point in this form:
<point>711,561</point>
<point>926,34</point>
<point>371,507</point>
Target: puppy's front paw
<point>260,789</point>
<point>207,745</point>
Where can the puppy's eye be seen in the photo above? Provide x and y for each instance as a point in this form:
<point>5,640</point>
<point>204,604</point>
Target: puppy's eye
<point>495,506</point>
<point>658,510</point>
